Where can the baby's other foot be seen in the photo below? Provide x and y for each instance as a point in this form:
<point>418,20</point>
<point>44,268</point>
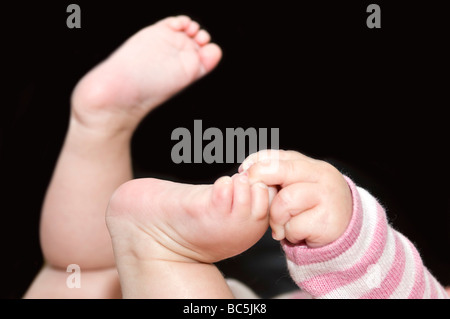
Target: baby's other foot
<point>149,68</point>
<point>150,218</point>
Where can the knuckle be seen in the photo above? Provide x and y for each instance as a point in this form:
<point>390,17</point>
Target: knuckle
<point>294,234</point>
<point>327,169</point>
<point>284,199</point>
<point>290,167</point>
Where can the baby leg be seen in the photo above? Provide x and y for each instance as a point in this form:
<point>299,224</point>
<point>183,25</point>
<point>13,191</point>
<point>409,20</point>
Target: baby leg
<point>107,105</point>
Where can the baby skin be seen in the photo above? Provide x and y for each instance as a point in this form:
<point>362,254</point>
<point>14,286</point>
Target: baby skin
<point>107,105</point>
<point>314,202</point>
<point>148,69</point>
<point>166,235</point>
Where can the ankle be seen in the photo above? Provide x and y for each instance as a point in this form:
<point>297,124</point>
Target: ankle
<point>96,106</point>
<point>87,132</point>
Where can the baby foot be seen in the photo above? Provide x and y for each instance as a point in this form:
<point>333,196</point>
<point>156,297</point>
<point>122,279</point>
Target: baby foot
<point>149,68</point>
<point>156,219</point>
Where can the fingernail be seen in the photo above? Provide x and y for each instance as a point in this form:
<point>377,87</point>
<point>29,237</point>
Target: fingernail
<point>274,236</point>
<point>246,165</point>
<point>278,235</point>
<point>262,185</point>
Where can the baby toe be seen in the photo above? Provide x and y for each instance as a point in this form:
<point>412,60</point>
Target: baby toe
<point>260,201</point>
<point>241,195</point>
<point>222,194</point>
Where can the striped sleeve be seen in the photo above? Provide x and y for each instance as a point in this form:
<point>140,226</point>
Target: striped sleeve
<point>370,260</point>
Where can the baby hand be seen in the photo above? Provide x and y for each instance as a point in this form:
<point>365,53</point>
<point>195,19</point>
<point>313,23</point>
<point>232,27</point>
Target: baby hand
<point>314,203</point>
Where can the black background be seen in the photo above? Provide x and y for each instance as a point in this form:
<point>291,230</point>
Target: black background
<point>371,101</point>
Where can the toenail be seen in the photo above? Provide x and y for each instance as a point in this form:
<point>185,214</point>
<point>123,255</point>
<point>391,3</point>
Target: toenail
<point>226,180</point>
<point>262,185</point>
<point>243,178</point>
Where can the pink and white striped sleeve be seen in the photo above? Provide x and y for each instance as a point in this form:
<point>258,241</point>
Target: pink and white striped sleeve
<point>370,260</point>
